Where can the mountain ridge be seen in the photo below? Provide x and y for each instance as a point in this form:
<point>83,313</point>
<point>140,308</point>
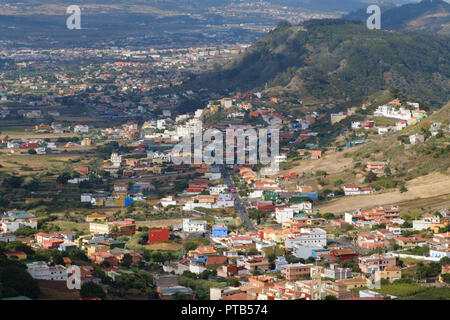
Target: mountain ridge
<point>338,60</point>
<point>427,15</point>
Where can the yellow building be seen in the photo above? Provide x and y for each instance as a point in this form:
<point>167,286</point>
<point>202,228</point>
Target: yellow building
<point>16,255</point>
<point>436,226</point>
<point>93,249</point>
<point>96,217</point>
<point>99,228</point>
<point>203,250</point>
<point>409,242</point>
<point>100,202</point>
<point>214,108</point>
<point>155,169</point>
<point>352,283</point>
<point>391,274</point>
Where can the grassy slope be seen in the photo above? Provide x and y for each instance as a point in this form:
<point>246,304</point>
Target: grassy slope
<point>413,161</point>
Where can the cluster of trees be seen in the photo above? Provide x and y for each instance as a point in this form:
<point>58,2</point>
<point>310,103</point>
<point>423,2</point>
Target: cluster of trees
<point>159,256</point>
<point>14,278</point>
<point>256,214</point>
<point>29,183</point>
<point>141,280</point>
<point>432,269</point>
<point>202,283</point>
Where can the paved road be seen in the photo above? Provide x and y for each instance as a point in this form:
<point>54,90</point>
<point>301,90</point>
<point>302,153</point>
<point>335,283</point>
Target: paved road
<point>238,202</point>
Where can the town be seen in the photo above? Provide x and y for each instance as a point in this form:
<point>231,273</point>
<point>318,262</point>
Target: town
<point>144,226</point>
<point>224,151</point>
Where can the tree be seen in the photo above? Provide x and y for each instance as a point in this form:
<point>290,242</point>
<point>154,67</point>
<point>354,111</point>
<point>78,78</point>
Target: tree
<point>444,261</point>
<point>26,231</point>
<point>127,260</point>
<point>77,254</point>
<point>63,178</point>
<point>188,246</point>
<point>91,290</point>
<point>371,177</point>
<point>189,274</point>
<point>256,214</point>
<point>232,282</point>
<point>329,216</point>
<point>16,281</point>
<point>446,277</point>
<point>403,189</point>
<point>310,260</point>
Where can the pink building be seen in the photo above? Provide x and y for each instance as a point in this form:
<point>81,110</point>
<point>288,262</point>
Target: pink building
<point>376,262</point>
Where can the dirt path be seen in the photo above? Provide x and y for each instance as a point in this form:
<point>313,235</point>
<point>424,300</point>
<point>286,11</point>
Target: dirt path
<point>428,186</point>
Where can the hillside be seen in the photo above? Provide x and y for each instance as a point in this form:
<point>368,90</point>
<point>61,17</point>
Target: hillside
<point>423,169</point>
<point>409,161</point>
<point>338,61</point>
<point>428,15</point>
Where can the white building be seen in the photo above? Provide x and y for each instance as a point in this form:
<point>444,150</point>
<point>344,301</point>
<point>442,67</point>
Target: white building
<point>351,190</point>
<point>193,226</point>
<point>425,222</point>
<point>81,128</point>
<point>337,273</point>
<point>416,138</point>
<point>191,205</point>
<point>161,124</point>
<point>223,204</point>
<point>302,206</point>
<point>415,105</point>
<point>13,145</point>
<point>308,237</point>
<point>196,268</point>
<point>13,226</point>
<point>400,125</point>
<point>227,103</point>
<point>116,159</point>
<point>440,252</point>
<point>7,237</point>
<point>168,201</point>
<point>391,112</point>
<point>284,214</point>
<point>348,217</point>
<point>255,194</point>
<point>198,113</point>
<point>383,130</point>
<point>41,271</point>
<point>220,188</point>
<point>357,124</point>
<point>86,197</point>
<point>40,150</point>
